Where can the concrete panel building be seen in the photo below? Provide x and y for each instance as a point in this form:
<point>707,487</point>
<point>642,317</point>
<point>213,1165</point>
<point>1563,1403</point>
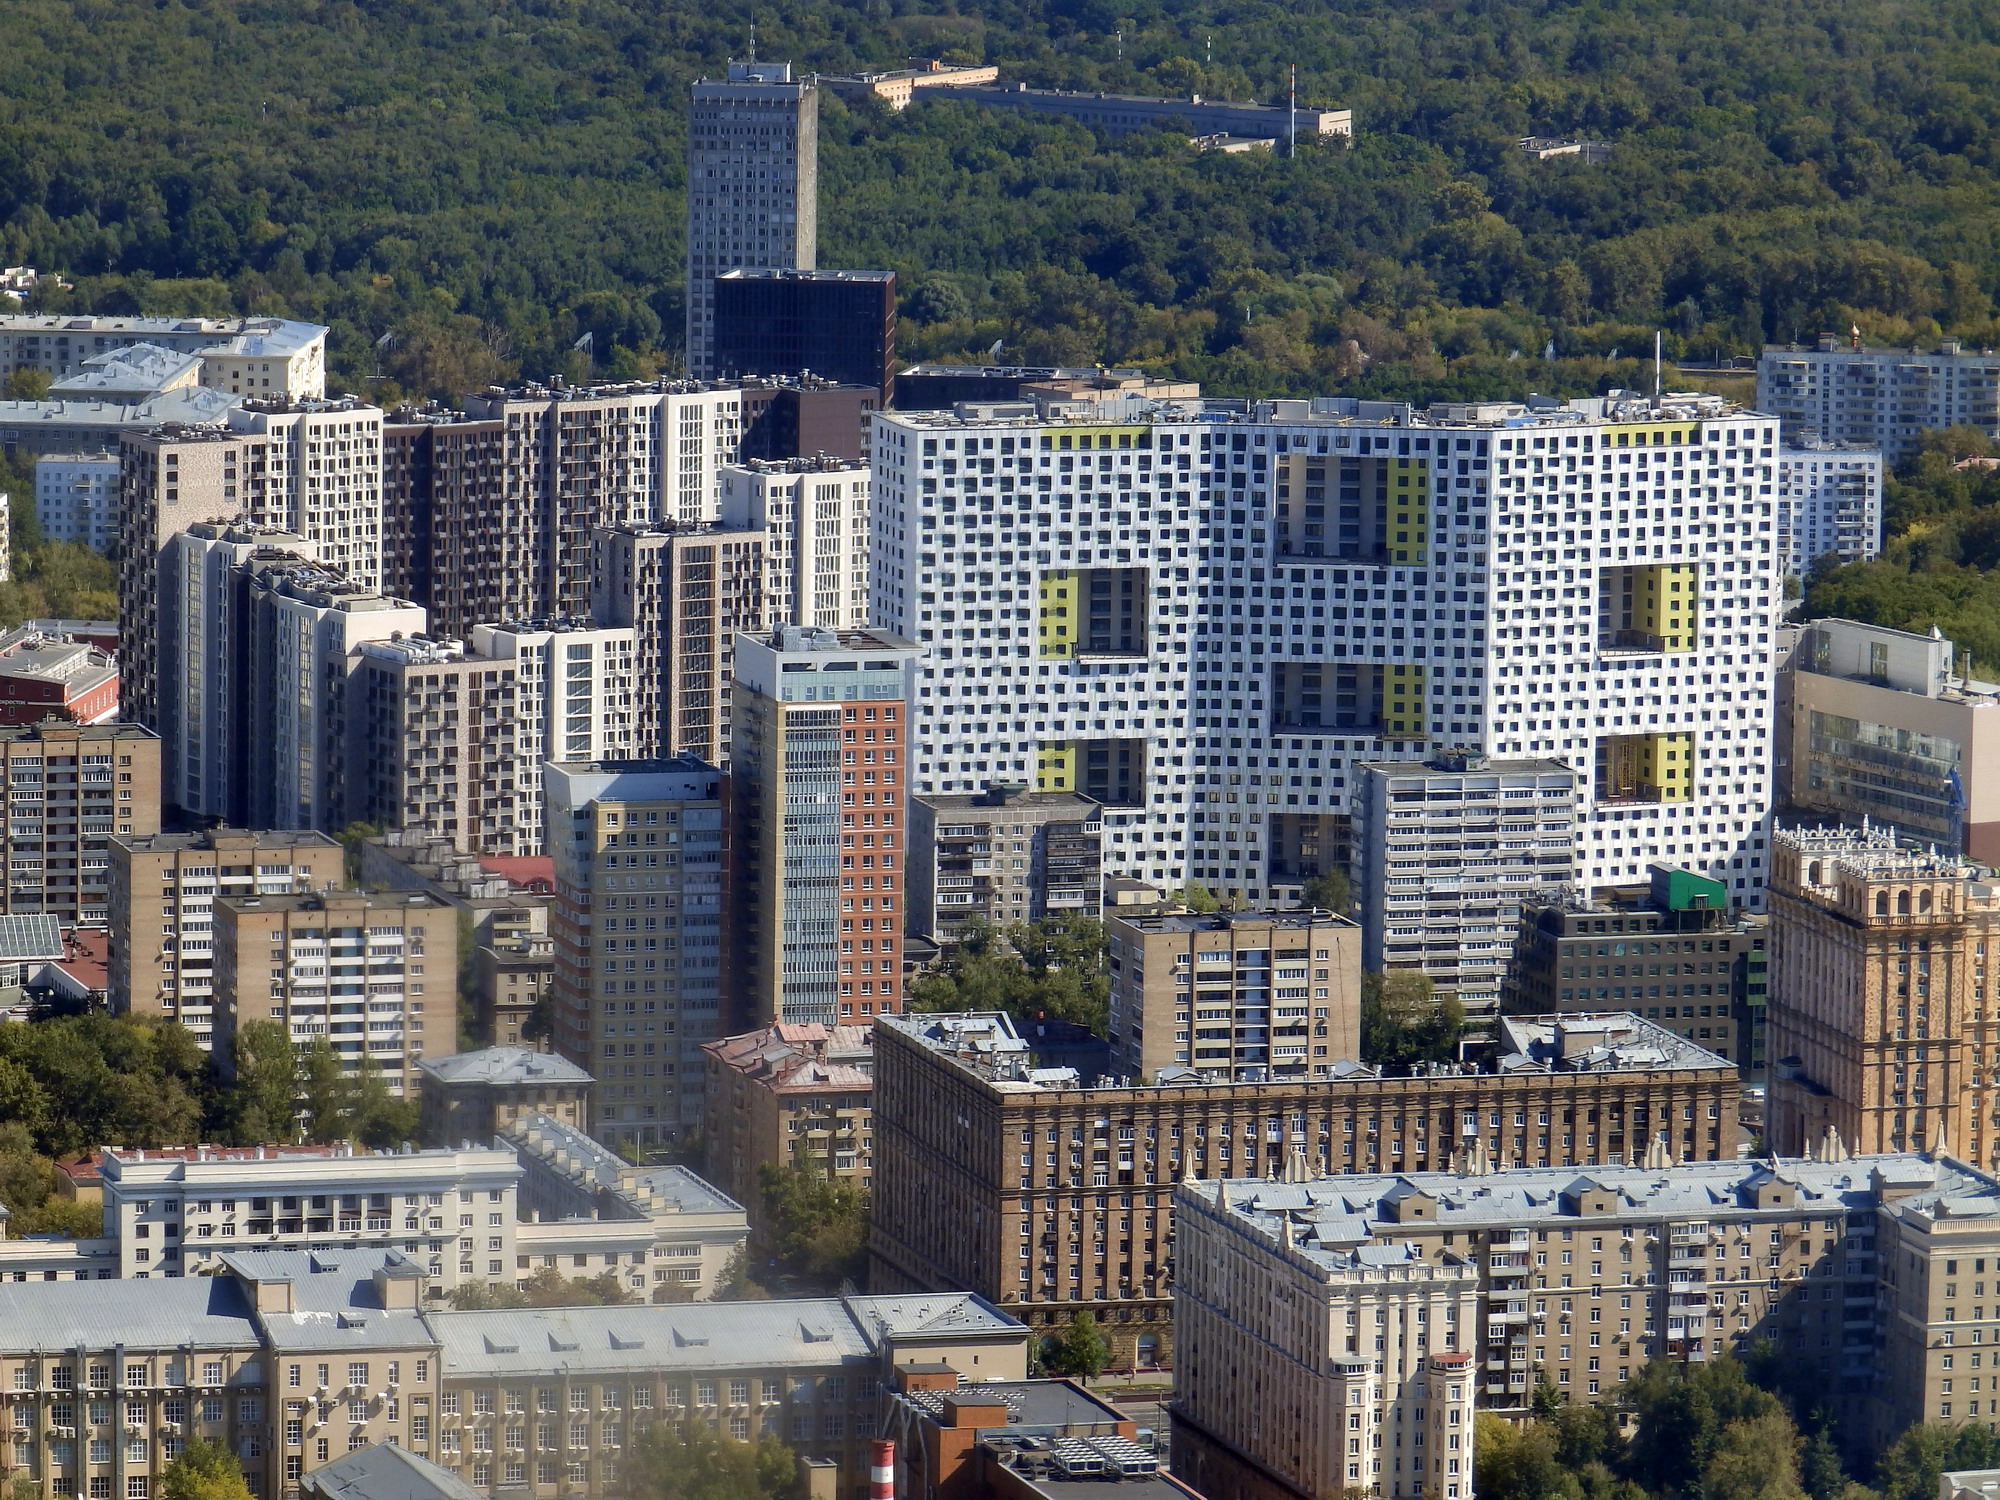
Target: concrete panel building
<point>73,788</point>
<point>76,498</point>
<point>1122,114</point>
<point>1447,850</point>
<point>1844,392</point>
<point>1002,856</point>
<point>1217,996</point>
<point>1829,502</point>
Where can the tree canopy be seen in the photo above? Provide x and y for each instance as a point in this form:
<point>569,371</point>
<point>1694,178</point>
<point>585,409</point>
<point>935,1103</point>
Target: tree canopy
<point>205,1470</point>
<point>489,184</point>
<point>666,1463</point>
<point>814,1224</point>
<point>1403,1020</point>
<point>1052,969</point>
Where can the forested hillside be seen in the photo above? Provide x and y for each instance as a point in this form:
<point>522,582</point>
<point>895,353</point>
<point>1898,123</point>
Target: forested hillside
<point>489,178</point>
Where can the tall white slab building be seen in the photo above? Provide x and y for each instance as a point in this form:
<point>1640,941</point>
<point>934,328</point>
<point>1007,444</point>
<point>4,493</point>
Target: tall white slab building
<point>753,187</point>
<point>1204,615</point>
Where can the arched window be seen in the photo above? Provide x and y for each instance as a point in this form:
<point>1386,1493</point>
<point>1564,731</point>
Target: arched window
<point>1881,903</point>
<point>1813,874</point>
<point>1902,903</point>
<point>1924,901</point>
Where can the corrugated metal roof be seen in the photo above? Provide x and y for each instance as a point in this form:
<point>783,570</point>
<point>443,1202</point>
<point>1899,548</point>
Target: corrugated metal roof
<point>206,1311</point>
<point>385,1471</point>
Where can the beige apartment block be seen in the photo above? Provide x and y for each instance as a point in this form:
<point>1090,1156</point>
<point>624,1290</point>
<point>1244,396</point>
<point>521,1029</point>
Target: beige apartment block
<point>169,479</point>
<point>1051,1193</point>
<point>814,515</point>
<point>508,982</point>
<point>164,887</point>
<point>637,927</point>
<point>1363,1347</point>
<point>1880,1014</point>
<point>368,972</point>
<point>790,1095</point>
<point>1277,990</point>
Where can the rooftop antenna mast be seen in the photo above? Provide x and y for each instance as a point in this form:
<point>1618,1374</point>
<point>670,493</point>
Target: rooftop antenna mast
<point>1656,369</point>
<point>1292,109</point>
<point>753,41</point>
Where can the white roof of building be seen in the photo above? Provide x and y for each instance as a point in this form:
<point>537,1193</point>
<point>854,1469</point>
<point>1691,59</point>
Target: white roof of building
<point>660,1339</point>
<point>503,1065</point>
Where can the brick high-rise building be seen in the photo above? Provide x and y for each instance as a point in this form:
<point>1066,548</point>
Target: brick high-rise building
<point>163,890</point>
<point>1879,1013</point>
<point>789,1096</point>
<point>71,789</point>
<point>1052,1195</point>
<point>1277,990</point>
<point>638,932</point>
<point>753,187</point>
<point>820,790</point>
<point>377,975</point>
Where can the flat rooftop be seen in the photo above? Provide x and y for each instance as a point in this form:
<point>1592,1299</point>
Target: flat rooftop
<point>987,1046</point>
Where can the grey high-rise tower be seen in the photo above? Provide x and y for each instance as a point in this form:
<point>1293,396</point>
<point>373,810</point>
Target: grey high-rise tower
<point>753,187</point>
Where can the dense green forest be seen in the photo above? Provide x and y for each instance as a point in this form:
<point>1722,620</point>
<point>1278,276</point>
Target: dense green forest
<point>488,180</point>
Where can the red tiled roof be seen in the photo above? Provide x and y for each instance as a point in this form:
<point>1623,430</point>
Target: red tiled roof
<point>529,872</point>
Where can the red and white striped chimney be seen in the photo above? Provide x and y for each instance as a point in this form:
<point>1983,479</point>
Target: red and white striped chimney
<point>882,1470</point>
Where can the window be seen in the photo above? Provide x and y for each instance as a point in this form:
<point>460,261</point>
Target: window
<point>357,1373</point>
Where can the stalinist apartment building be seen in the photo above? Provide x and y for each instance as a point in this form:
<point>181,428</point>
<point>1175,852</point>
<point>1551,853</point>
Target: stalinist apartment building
<point>753,187</point>
<point>1861,1271</point>
<point>1881,1020</point>
<point>1330,582</point>
<point>1050,1192</point>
